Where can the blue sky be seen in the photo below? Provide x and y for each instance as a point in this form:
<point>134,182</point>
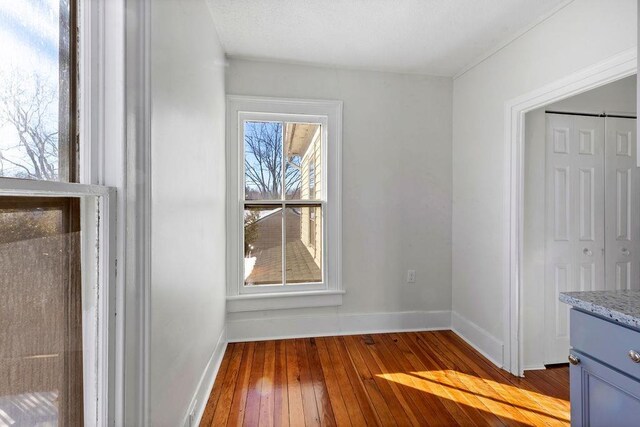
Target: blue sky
<point>30,25</point>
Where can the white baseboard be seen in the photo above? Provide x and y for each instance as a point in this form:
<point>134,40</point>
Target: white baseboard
<point>533,367</point>
<point>485,343</point>
<point>335,324</point>
<point>201,396</point>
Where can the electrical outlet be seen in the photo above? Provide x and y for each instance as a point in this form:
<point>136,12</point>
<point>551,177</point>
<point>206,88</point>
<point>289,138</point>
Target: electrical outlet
<point>411,276</point>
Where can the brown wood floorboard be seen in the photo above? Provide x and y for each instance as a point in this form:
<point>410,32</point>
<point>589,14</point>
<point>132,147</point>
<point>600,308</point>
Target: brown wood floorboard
<point>415,378</point>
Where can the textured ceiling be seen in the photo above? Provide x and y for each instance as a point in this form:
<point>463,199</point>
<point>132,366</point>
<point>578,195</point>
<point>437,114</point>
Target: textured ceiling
<point>438,37</point>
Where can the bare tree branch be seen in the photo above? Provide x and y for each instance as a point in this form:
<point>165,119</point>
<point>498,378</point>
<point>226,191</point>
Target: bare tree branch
<point>27,104</point>
<point>263,159</point>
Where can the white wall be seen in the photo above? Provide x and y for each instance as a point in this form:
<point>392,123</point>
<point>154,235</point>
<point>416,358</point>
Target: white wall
<point>396,180</point>
<point>581,34</point>
<point>188,211</point>
<point>616,97</point>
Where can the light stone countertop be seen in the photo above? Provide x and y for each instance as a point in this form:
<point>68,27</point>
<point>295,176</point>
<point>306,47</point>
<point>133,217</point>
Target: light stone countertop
<point>619,306</point>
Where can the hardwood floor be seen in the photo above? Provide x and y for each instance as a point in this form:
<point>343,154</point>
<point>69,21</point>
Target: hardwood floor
<point>422,379</point>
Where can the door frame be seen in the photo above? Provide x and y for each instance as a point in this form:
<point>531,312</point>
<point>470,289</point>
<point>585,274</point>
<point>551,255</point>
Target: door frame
<point>612,69</point>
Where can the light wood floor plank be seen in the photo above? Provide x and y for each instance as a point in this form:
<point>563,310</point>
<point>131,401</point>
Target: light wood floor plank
<point>294,389</point>
<point>267,406</point>
<point>221,415</point>
<point>236,411</point>
<point>252,406</point>
<point>311,415</point>
<point>281,395</point>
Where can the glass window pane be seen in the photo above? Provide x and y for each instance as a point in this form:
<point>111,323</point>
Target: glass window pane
<point>304,244</point>
<point>262,245</point>
<point>40,312</point>
<point>263,160</point>
<point>303,157</point>
<point>37,80</point>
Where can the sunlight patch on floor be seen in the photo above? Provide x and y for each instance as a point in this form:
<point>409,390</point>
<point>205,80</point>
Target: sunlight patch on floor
<point>498,398</point>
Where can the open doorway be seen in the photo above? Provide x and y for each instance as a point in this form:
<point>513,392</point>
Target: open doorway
<point>581,213</point>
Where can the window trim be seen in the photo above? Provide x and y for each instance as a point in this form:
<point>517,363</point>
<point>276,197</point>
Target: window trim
<point>328,293</point>
<point>100,128</point>
<point>111,154</point>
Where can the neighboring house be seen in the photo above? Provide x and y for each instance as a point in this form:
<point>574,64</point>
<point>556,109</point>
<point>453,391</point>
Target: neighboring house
<point>305,142</point>
<point>310,150</point>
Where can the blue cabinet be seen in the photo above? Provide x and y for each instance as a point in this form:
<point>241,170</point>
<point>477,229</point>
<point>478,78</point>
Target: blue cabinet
<point>605,378</point>
<point>602,396</point>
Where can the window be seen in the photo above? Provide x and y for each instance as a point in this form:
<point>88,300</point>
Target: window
<point>37,90</point>
<point>284,203</point>
<point>278,160</point>
<point>53,228</point>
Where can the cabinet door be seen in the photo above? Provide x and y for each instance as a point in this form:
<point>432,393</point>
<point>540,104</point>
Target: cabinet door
<point>601,396</point>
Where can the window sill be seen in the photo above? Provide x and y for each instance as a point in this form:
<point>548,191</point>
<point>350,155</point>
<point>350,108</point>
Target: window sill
<point>282,300</point>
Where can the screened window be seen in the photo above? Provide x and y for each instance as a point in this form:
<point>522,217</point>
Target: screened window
<point>41,375</point>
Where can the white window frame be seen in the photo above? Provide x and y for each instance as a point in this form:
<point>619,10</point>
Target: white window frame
<point>268,297</point>
<point>101,119</point>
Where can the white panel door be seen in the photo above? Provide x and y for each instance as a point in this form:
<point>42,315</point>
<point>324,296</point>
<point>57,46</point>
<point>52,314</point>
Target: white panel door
<point>575,220</point>
<point>622,205</point>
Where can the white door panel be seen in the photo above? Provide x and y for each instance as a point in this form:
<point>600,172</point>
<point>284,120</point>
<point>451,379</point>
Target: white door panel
<point>592,215</point>
<point>575,241</point>
<point>622,205</point>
